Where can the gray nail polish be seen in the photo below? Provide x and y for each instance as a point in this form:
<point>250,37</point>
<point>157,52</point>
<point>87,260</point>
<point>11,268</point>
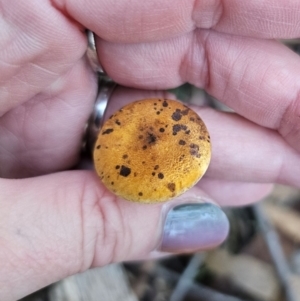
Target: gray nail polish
<point>191,227</point>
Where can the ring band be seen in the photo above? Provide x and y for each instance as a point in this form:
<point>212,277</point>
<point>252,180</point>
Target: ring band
<point>92,54</point>
<point>105,88</point>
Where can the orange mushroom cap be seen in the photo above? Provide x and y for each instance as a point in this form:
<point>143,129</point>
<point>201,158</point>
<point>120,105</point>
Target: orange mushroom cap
<point>152,150</point>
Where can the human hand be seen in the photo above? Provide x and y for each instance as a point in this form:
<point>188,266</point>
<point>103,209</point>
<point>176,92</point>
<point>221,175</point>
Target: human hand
<point>60,223</point>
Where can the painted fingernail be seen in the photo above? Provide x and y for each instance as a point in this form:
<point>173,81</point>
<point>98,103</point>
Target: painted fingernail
<point>191,227</point>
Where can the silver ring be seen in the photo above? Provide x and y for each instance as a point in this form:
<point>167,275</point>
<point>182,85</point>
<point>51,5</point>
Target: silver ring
<point>105,89</point>
<point>92,55</point>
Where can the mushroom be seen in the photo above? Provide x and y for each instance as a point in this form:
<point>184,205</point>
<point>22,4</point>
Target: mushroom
<point>152,150</point>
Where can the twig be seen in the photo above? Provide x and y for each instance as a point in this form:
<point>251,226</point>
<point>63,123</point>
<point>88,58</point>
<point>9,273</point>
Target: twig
<point>187,277</point>
<point>272,240</point>
<point>195,289</point>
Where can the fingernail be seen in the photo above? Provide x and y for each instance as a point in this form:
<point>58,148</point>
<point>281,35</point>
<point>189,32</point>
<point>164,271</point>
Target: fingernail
<point>191,227</point>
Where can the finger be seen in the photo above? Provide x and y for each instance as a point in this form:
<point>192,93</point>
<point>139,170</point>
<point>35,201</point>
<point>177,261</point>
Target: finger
<point>157,20</point>
<point>244,151</point>
<point>224,193</point>
<point>35,54</point>
<point>227,193</point>
<point>241,150</point>
<point>258,79</point>
<point>57,225</point>
<point>45,134</point>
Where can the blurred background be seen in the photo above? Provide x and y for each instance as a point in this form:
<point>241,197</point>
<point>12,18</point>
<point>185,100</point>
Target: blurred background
<point>260,260</point>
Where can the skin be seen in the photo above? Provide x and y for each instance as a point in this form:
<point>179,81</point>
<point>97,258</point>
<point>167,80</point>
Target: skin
<point>62,222</point>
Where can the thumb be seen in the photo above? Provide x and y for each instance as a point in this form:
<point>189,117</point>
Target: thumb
<point>60,224</point>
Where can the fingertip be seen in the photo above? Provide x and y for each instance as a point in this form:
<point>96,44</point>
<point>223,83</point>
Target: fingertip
<point>193,223</point>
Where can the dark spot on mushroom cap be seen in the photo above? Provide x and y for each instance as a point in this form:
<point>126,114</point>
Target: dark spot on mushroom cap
<point>153,174</point>
<point>125,171</point>
<point>185,112</point>
<point>98,146</point>
<point>182,142</point>
<point>161,130</point>
<point>194,150</point>
<point>118,122</point>
<point>144,146</point>
<point>151,138</point>
<point>187,132</point>
<point>158,112</point>
<point>194,146</point>
<point>165,103</point>
<point>192,119</point>
<point>176,116</point>
<point>112,183</point>
<point>117,166</point>
<point>125,156</point>
<point>171,187</point>
<point>108,131</point>
<point>140,193</point>
<point>178,127</point>
<point>160,175</point>
<point>141,136</point>
<point>156,167</point>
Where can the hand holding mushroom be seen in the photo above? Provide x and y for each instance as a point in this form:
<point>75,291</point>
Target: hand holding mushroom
<point>55,221</point>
